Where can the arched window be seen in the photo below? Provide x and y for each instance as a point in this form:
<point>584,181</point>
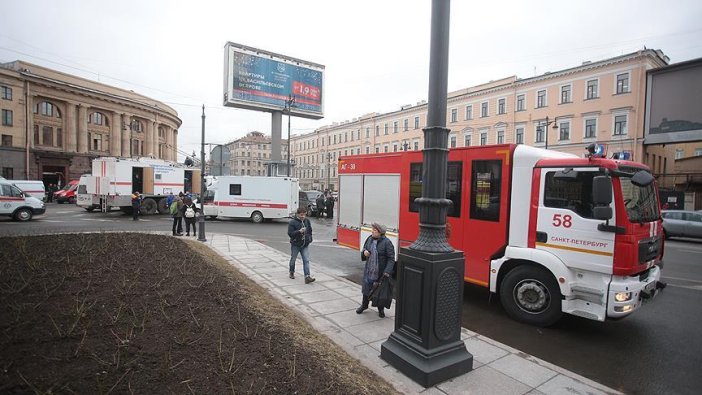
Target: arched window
<point>137,126</point>
<point>99,119</point>
<point>47,109</point>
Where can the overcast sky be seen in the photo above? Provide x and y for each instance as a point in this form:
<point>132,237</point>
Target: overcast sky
<point>376,52</point>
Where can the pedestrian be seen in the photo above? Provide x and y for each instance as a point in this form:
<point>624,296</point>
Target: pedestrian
<point>300,233</point>
<point>189,212</point>
<point>329,203</point>
<point>320,205</point>
<point>175,210</point>
<point>169,199</point>
<point>136,205</point>
<point>379,255</point>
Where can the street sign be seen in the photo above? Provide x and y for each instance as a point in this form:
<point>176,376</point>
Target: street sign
<point>220,156</point>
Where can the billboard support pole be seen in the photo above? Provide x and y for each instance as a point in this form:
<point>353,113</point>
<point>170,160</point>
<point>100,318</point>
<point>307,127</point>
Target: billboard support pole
<point>288,106</point>
<point>201,218</point>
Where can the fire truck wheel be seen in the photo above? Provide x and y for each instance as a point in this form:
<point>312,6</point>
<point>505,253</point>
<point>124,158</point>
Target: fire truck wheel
<point>256,217</point>
<point>23,214</point>
<point>148,206</point>
<point>162,206</point>
<point>530,294</point>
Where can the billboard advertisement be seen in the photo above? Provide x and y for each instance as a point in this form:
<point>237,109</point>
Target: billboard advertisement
<point>673,97</point>
<point>264,81</point>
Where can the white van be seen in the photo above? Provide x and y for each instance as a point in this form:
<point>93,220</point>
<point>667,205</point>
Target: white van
<point>31,188</point>
<point>17,204</point>
<point>257,198</point>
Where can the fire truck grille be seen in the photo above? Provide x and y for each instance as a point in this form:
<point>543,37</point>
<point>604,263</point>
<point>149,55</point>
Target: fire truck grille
<point>649,248</point>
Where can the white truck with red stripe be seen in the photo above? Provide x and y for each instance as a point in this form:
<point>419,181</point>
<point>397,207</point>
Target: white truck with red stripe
<point>113,180</point>
<point>257,198</point>
<point>18,204</point>
<point>551,233</point>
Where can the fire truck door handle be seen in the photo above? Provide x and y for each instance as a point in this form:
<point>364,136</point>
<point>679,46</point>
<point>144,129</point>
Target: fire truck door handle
<point>541,237</point>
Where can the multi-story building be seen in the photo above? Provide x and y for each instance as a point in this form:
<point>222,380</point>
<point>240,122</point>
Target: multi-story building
<point>564,110</point>
<point>250,154</point>
<point>54,124</point>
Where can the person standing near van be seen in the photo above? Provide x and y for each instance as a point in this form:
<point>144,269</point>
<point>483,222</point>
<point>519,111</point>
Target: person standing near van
<point>329,202</point>
<point>136,205</point>
<point>175,210</point>
<point>189,212</point>
<point>300,233</point>
<point>320,205</point>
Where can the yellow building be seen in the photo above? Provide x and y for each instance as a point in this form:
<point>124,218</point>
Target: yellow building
<point>564,110</point>
<point>54,124</point>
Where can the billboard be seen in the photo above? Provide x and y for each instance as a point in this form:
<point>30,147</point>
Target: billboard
<point>260,80</point>
<point>673,103</point>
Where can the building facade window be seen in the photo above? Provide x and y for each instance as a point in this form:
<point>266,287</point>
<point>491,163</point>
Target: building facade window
<point>405,125</point>
<point>564,131</point>
<point>416,122</point>
<point>377,130</point>
<point>416,145</point>
<point>6,92</point>
<point>386,129</point>
<point>622,83</point>
<point>483,138</point>
<point>484,109</point>
<point>501,106</point>
<point>698,151</point>
<point>541,98</point>
<point>519,136</point>
<point>97,118</point>
<point>367,133</point>
<point>6,117</point>
<point>565,94</point>
<point>469,112</point>
<point>6,140</point>
<point>620,125</point>
<point>454,115</point>
<point>590,128</point>
<point>591,89</point>
<point>679,153</point>
<point>452,141</point>
<point>8,173</point>
<point>367,149</point>
<point>500,137</point>
<point>539,133</point>
<point>395,127</point>
<point>466,140</point>
<point>521,102</point>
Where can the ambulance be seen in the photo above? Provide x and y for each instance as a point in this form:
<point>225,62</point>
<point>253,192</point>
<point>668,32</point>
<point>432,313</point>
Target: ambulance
<point>256,198</point>
<point>17,204</point>
<point>549,232</point>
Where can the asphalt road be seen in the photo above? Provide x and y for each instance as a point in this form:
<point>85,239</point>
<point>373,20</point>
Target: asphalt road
<point>657,350</point>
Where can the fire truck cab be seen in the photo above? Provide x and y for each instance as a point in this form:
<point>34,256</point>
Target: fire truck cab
<point>550,232</point>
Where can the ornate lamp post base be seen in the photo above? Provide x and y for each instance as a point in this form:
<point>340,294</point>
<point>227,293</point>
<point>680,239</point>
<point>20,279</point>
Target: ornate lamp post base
<point>426,345</point>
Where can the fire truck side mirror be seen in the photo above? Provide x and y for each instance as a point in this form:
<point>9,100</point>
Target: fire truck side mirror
<point>602,197</point>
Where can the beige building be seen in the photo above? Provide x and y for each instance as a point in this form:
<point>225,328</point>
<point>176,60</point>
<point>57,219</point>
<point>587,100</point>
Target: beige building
<point>251,153</point>
<point>565,110</point>
<point>54,124</point>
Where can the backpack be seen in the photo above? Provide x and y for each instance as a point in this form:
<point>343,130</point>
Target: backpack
<point>174,208</point>
<point>189,212</point>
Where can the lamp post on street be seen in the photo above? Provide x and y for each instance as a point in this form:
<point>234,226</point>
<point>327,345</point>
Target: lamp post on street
<point>201,218</point>
<point>288,106</point>
<point>544,129</point>
<point>329,156</point>
<point>426,344</point>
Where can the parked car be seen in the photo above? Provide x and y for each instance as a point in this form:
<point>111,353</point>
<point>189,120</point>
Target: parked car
<point>308,200</point>
<point>67,193</point>
<point>682,223</point>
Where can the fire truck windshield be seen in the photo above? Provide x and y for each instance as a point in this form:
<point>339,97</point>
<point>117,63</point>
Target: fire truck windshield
<point>641,202</point>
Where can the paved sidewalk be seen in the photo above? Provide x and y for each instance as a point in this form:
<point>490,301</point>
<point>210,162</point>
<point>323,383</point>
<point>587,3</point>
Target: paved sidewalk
<point>329,304</point>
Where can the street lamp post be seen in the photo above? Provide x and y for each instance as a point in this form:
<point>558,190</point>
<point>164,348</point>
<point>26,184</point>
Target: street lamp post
<point>545,130</point>
<point>288,105</point>
<point>426,344</point>
<point>201,218</point>
<point>329,156</point>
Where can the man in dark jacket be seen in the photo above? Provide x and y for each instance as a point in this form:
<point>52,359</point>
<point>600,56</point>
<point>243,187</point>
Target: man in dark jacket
<point>379,255</point>
<point>320,205</point>
<point>300,233</point>
<point>329,203</point>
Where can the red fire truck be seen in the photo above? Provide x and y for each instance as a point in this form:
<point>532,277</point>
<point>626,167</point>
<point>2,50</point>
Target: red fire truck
<point>549,232</point>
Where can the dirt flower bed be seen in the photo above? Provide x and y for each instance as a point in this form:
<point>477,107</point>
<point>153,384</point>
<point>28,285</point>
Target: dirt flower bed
<point>136,313</point>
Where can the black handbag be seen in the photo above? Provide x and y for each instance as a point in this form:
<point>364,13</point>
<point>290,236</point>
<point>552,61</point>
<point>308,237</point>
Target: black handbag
<point>381,296</point>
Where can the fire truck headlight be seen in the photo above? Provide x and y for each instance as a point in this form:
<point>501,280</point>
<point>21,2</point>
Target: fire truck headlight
<point>622,296</point>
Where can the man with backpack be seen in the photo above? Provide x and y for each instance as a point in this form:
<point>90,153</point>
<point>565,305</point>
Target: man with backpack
<point>189,212</point>
<point>176,212</point>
